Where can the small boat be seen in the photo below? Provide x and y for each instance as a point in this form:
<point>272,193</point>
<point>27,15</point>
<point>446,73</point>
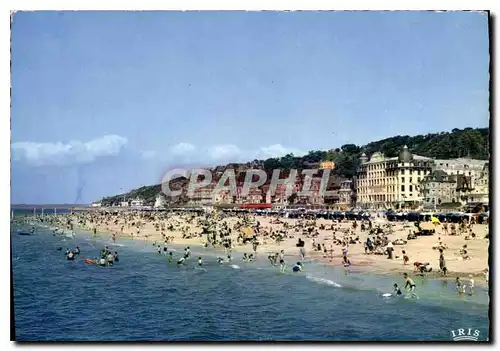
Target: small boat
<point>21,232</point>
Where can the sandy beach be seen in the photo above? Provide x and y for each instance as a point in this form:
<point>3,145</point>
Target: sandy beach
<point>187,228</point>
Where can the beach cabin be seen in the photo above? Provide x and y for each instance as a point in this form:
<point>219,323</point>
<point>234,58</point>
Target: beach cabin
<point>137,202</point>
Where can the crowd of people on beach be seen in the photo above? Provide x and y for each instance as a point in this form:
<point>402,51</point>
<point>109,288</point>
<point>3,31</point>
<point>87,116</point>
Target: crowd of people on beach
<point>228,231</point>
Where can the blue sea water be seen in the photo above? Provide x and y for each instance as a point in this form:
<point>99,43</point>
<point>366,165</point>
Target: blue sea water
<point>143,297</point>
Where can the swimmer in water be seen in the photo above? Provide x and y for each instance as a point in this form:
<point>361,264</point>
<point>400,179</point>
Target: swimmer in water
<point>460,287</point>
<point>220,260</point>
<point>471,285</point>
<point>169,257</point>
<point>271,259</point>
<point>245,258</point>
<point>159,250</point>
<point>282,266</point>
<point>181,261</point>
<point>397,290</point>
<point>200,262</point>
<point>297,267</point>
<point>410,284</point>
<point>251,258</point>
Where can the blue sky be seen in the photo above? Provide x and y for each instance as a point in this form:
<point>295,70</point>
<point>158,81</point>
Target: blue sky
<point>104,101</point>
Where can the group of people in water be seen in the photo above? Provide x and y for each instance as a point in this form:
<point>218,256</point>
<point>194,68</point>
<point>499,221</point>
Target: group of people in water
<point>70,254</point>
<point>107,257</point>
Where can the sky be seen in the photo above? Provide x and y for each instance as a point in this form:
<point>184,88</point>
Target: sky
<point>104,102</point>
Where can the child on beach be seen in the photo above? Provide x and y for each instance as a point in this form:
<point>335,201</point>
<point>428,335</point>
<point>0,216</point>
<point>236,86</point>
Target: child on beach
<point>460,287</point>
<point>471,285</point>
<point>282,266</point>
<point>397,290</point>
<point>406,259</point>
<point>410,284</point>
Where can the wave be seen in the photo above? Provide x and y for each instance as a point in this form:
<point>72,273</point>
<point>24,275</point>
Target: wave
<point>323,281</point>
<point>234,266</point>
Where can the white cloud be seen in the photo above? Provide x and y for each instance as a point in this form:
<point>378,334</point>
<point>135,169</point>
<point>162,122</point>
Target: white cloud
<point>224,152</point>
<point>40,154</point>
<point>182,149</point>
<point>148,154</point>
<point>277,150</point>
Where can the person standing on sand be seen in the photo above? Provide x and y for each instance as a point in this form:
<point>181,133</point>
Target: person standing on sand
<point>406,259</point>
<point>442,262</point>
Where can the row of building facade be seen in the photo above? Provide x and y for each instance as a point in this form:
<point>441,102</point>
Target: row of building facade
<point>404,181</point>
<point>410,180</point>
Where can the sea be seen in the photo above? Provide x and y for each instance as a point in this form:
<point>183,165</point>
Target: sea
<point>145,298</point>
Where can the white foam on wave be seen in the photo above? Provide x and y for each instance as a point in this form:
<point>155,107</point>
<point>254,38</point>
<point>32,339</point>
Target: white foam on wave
<point>323,281</point>
<point>234,266</point>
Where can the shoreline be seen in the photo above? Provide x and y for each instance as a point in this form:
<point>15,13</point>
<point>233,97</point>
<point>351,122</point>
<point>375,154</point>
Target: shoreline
<point>145,230</point>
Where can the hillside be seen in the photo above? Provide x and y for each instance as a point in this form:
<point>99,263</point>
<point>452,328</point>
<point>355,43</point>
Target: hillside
<point>466,142</point>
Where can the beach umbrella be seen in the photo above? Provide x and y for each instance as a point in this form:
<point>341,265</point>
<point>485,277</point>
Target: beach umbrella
<point>434,220</point>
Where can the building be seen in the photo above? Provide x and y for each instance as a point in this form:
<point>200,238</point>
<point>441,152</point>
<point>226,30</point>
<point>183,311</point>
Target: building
<point>124,204</point>
<point>472,178</point>
<point>314,197</point>
<point>137,202</point>
<point>481,191</point>
<point>222,197</point>
<point>160,201</point>
<point>393,182</point>
<point>203,196</point>
<point>473,195</point>
<point>96,204</point>
<point>438,188</point>
<point>462,166</point>
<point>346,193</point>
<point>327,165</point>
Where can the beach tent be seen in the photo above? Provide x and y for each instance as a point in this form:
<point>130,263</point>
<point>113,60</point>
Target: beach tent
<point>248,231</point>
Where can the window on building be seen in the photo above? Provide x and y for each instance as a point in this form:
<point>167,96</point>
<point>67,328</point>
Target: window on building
<point>402,188</point>
<point>418,172</point>
<point>469,173</point>
<point>402,179</point>
<point>410,171</point>
<point>411,187</point>
<point>418,179</point>
<point>410,180</point>
<point>402,171</point>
